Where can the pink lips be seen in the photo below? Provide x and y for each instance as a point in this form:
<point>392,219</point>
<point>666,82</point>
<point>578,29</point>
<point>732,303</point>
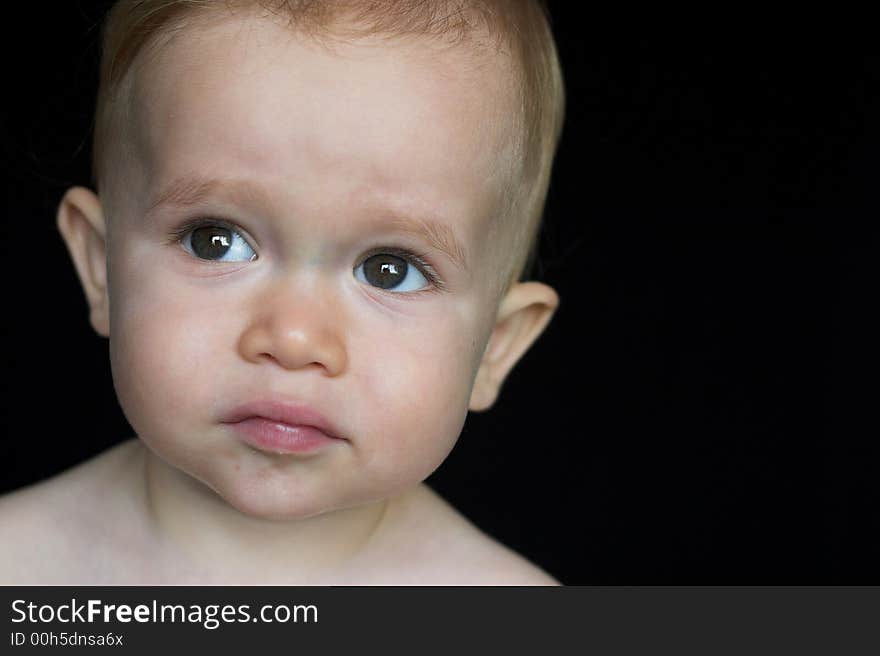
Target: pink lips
<point>278,427</point>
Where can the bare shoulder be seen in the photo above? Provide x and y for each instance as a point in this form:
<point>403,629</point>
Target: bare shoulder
<point>445,548</point>
<point>47,528</point>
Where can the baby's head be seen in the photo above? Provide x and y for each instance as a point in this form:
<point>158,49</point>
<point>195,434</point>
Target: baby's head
<point>320,205</point>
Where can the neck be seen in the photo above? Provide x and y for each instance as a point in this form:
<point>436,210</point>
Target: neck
<point>202,536</point>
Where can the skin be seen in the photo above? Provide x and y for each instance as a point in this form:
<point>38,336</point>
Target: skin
<point>315,148</point>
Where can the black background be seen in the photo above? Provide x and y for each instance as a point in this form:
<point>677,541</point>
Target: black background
<point>702,410</point>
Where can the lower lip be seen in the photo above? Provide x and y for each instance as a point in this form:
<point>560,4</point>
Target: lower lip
<point>275,437</point>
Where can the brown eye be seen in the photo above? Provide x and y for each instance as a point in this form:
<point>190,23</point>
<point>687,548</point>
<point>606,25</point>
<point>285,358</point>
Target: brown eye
<point>387,271</point>
<point>215,242</point>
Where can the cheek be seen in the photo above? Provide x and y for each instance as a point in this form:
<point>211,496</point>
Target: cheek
<point>416,392</point>
<point>161,351</point>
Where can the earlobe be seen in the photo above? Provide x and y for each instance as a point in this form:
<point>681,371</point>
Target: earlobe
<point>522,316</point>
<point>81,223</point>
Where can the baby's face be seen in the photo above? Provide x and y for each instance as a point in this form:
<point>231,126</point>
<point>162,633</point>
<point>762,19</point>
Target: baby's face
<point>320,179</point>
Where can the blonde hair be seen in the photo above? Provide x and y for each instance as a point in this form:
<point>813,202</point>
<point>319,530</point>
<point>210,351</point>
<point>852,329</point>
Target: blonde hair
<point>519,26</point>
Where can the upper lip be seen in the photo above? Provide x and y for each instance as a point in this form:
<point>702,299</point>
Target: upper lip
<point>293,414</point>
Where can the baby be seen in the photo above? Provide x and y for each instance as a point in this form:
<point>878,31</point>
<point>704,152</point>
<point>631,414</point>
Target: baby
<point>311,224</point>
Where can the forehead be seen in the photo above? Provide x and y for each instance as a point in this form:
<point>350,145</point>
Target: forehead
<point>402,121</point>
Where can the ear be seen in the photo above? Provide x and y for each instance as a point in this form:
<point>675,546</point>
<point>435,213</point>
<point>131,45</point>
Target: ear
<point>81,223</point>
<point>522,316</point>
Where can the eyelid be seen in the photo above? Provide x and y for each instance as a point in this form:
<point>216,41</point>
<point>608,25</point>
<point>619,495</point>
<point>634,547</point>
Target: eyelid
<point>419,260</point>
<point>177,234</point>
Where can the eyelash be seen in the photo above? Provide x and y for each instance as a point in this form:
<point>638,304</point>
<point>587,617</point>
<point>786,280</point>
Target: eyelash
<point>176,236</point>
<point>419,260</point>
<point>416,259</point>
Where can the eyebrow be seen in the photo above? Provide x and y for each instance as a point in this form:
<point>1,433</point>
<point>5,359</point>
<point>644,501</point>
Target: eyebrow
<point>192,190</point>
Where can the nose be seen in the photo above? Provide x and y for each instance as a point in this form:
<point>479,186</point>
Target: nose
<point>296,331</point>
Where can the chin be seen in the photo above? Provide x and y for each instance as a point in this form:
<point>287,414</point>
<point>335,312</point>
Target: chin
<point>273,501</point>
<point>282,512</point>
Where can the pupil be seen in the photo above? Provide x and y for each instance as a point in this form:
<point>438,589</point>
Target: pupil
<point>385,271</point>
<point>211,242</point>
